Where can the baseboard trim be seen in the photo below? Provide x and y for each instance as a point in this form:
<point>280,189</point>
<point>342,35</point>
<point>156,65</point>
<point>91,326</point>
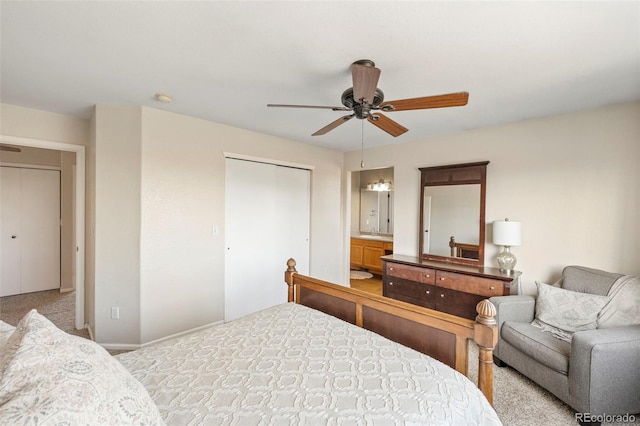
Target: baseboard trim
<point>133,347</point>
<point>183,333</point>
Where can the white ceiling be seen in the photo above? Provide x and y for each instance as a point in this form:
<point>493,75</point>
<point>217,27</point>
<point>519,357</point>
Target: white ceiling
<point>224,61</point>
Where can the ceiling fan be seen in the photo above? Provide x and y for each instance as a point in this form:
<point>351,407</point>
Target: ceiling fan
<point>9,148</point>
<point>364,98</point>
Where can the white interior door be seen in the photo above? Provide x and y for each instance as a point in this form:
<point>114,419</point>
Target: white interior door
<point>10,276</point>
<point>266,222</point>
<point>30,230</point>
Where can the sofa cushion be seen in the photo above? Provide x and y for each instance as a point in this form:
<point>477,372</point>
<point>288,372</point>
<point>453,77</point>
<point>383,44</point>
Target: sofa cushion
<point>541,346</point>
<point>588,280</point>
<point>563,312</point>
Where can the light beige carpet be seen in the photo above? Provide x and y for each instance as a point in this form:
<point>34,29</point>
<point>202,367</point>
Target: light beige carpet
<point>521,402</point>
<point>58,307</point>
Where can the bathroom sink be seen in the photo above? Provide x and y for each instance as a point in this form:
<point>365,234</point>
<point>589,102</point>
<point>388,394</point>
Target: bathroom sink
<point>387,238</point>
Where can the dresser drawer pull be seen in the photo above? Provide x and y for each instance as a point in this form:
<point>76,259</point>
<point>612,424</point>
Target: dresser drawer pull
<point>492,288</point>
<point>391,283</point>
<point>428,291</point>
<point>391,269</point>
<point>427,275</point>
<point>441,295</point>
<point>441,278</point>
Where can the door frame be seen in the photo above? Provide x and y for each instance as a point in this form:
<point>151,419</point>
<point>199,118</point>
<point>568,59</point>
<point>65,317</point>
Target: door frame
<point>79,150</point>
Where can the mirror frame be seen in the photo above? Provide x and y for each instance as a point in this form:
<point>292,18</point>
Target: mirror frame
<point>455,174</point>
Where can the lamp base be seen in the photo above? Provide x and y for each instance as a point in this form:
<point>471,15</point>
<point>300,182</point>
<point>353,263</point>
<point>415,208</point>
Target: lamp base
<point>506,260</point>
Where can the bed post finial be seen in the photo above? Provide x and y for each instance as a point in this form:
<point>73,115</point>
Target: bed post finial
<point>288,278</point>
<point>486,312</point>
<point>485,332</point>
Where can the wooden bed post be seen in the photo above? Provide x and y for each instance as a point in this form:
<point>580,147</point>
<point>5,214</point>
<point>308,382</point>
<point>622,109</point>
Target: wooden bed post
<point>486,336</point>
<point>288,277</point>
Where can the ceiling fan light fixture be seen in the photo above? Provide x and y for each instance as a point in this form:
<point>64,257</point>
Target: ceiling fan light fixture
<point>364,97</point>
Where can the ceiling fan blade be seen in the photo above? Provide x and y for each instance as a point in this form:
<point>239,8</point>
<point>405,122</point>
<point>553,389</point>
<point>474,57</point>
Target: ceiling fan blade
<point>365,82</point>
<point>387,124</point>
<point>333,125</point>
<point>438,101</point>
<point>334,108</point>
<point>9,148</point>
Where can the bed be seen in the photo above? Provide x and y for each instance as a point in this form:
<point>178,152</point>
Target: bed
<point>289,364</point>
<point>466,250</point>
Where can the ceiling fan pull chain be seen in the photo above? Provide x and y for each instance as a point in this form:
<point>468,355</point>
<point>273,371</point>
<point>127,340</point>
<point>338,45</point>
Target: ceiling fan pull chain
<point>362,146</point>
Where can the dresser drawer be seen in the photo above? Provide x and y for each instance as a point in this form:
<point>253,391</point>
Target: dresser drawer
<point>395,285</point>
<point>394,293</point>
<point>457,303</point>
<point>470,284</point>
<point>413,273</point>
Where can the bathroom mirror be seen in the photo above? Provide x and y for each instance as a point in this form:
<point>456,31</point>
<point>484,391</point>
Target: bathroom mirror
<point>376,209</point>
<point>452,213</point>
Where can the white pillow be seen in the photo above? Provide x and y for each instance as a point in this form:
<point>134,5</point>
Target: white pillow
<point>65,379</point>
<point>563,312</point>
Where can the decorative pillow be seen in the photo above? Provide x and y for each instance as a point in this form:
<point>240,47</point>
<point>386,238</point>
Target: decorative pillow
<point>563,312</point>
<point>49,377</point>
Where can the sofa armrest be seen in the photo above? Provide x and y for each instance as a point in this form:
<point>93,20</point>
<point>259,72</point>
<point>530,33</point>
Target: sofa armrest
<point>604,370</point>
<point>519,308</point>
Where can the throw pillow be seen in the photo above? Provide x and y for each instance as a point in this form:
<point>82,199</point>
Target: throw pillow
<point>563,312</point>
<point>49,377</point>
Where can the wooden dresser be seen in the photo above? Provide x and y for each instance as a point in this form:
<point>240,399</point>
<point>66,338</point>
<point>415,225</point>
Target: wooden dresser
<point>445,287</point>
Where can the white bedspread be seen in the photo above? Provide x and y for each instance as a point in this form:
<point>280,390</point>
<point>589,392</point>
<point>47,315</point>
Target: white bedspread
<point>294,365</point>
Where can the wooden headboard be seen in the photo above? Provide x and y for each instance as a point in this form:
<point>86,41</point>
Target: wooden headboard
<point>437,334</point>
<point>468,251</point>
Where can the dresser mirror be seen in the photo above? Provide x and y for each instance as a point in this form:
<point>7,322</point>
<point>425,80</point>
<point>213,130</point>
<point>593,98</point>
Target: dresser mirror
<point>452,213</point>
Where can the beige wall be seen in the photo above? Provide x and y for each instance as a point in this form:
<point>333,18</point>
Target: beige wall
<point>43,125</point>
<point>117,223</point>
<point>183,184</point>
<point>572,180</point>
<point>159,190</point>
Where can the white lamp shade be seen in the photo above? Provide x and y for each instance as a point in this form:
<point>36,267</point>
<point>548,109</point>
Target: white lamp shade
<point>506,233</point>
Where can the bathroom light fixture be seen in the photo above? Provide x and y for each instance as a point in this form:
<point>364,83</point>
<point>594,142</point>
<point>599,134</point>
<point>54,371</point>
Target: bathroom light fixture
<point>506,233</point>
<point>381,185</point>
<point>164,97</point>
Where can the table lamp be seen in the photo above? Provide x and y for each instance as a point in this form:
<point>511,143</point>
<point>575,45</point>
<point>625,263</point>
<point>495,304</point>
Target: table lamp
<point>506,233</point>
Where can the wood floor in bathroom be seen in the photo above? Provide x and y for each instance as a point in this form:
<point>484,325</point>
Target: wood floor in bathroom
<point>371,285</point>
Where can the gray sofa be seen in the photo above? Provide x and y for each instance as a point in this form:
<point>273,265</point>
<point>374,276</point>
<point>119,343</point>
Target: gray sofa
<point>597,372</point>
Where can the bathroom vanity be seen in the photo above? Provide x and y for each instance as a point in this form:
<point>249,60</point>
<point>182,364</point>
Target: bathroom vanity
<point>366,252</point>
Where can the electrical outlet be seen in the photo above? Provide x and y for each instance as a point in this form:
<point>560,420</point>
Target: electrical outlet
<point>115,312</point>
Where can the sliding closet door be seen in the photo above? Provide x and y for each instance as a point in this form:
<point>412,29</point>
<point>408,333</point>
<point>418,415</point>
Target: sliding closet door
<point>29,230</point>
<point>266,222</point>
